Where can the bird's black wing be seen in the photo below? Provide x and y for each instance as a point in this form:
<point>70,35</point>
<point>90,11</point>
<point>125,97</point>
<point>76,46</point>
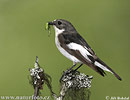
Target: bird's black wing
<point>66,39</point>
<point>77,38</point>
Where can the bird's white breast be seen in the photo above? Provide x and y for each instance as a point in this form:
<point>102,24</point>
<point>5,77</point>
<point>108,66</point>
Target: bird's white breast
<point>64,52</point>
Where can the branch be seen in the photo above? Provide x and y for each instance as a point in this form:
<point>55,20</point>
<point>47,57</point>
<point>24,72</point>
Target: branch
<point>74,86</point>
<point>38,78</point>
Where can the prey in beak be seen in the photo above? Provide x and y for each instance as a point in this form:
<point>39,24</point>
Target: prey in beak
<point>48,28</point>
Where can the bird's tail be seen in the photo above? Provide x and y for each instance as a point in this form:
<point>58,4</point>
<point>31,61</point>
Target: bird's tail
<point>99,63</point>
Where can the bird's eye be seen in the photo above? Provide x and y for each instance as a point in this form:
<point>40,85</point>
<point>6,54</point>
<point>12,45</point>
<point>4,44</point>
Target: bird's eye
<point>59,22</point>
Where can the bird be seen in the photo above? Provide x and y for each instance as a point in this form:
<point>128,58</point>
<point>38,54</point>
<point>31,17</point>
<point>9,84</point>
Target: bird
<point>73,46</point>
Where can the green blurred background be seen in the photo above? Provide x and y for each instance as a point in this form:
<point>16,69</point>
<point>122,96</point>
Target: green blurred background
<point>105,24</point>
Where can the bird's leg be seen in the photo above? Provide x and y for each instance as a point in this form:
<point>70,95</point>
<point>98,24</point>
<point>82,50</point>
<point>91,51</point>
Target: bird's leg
<point>78,67</point>
<point>66,72</point>
<point>71,68</point>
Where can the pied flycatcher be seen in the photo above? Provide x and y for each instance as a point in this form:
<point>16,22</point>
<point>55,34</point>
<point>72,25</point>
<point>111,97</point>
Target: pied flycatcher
<point>71,44</point>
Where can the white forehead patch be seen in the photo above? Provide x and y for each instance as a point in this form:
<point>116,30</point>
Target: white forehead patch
<point>55,20</point>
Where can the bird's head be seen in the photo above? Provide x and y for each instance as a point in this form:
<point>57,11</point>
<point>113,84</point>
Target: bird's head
<point>62,25</point>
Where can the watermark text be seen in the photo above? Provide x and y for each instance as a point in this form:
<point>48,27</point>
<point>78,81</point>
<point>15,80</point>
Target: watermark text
<point>117,98</point>
<point>24,97</point>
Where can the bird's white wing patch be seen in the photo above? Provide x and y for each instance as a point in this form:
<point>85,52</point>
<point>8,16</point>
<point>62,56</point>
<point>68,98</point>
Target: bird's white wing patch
<point>80,48</point>
<point>101,66</point>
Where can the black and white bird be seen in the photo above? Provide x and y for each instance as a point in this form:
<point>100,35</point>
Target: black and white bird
<point>71,44</point>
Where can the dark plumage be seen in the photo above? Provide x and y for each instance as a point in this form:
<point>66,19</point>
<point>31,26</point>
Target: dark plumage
<point>71,44</point>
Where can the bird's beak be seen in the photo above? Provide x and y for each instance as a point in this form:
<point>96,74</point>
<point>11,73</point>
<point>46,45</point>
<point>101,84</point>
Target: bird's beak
<point>51,23</point>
